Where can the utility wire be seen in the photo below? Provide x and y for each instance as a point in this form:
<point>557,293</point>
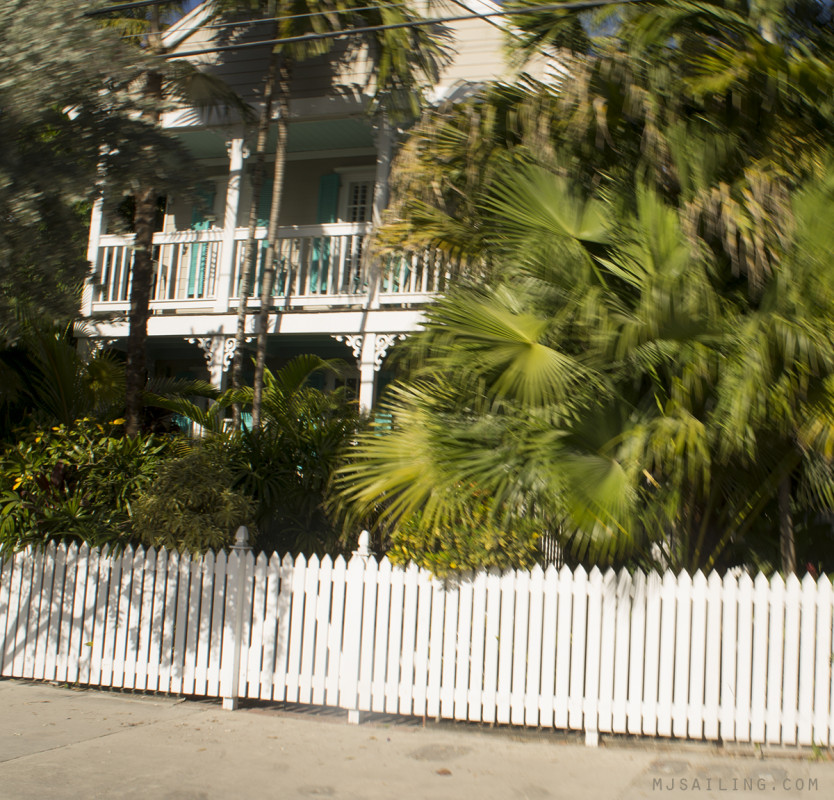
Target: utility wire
<point>124,7</point>
<point>311,37</point>
<point>242,22</point>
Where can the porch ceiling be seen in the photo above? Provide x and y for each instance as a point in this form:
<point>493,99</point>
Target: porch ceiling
<point>307,136</point>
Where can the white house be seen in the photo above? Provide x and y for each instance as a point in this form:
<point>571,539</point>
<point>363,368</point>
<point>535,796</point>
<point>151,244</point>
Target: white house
<point>328,299</point>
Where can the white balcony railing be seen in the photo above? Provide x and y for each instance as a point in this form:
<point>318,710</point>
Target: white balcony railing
<point>318,266</point>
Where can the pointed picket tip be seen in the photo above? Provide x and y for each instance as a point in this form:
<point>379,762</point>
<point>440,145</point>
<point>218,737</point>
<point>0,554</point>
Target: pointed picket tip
<point>610,574</point>
<point>83,550</point>
<point>552,572</point>
<point>745,580</point>
<point>808,581</point>
<point>221,558</point>
<point>262,560</point>
<point>127,553</point>
<point>669,577</point>
<point>684,577</point>
<point>385,566</point>
<point>580,574</point>
<point>326,563</point>
<point>793,582</point>
<point>729,579</point>
<point>208,557</point>
<point>313,563</point>
<point>595,575</point>
<point>824,583</point>
<point>699,579</point>
<point>777,581</point>
<point>761,582</point>
<point>72,549</point>
<point>340,563</point>
<point>139,553</point>
<point>151,553</point>
<point>287,560</point>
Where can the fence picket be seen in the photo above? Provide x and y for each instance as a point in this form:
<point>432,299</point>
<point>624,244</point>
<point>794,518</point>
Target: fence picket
<point>464,640</point>
<point>697,656</point>
<point>532,692</point>
<point>744,659</point>
<point>775,670</point>
<point>111,621</point>
<point>311,593</point>
<point>592,656</point>
<point>405,695</point>
<point>505,647</point>
<point>822,678</point>
<point>335,633</point>
<point>325,588</point>
<point>395,641</point>
<point>683,621</point>
<point>382,635</point>
<point>65,642</point>
<point>790,685</point>
<point>296,617</point>
<point>634,707</point>
<point>7,564</point>
<point>368,617</point>
<point>435,654</point>
<point>519,647</point>
<point>807,645</point>
<point>270,630</point>
<point>254,670</point>
<point>94,587</point>
<point>652,655</point>
<point>728,658</point>
<point>195,591</point>
<point>16,640</point>
<point>183,577</point>
<point>712,667</point>
<point>134,603</point>
<point>563,648</point>
<point>758,687</point>
<point>34,612</point>
<point>149,569</point>
<point>491,645</point>
<point>169,620</point>
<point>622,599</point>
<point>447,680</point>
<point>421,643</point>
<point>49,556</point>
<point>204,637</point>
<point>667,654</point>
<point>547,687</point>
<point>349,681</point>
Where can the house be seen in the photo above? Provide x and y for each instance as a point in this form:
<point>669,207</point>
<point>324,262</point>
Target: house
<point>329,299</point>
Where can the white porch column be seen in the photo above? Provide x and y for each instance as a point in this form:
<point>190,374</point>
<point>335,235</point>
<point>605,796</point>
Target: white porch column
<point>225,269</point>
<point>96,229</point>
<point>367,372</point>
<point>384,147</point>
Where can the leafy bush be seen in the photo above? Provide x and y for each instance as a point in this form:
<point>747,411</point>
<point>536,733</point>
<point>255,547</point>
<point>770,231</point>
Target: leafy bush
<point>78,481</point>
<point>475,542</point>
<point>192,505</point>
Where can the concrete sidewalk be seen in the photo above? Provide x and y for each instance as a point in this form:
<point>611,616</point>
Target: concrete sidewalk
<point>62,743</point>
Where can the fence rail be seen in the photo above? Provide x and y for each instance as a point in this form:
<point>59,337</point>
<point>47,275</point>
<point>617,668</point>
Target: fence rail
<point>660,655</point>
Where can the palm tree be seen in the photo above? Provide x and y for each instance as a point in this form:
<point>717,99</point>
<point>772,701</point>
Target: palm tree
<point>159,80</point>
<point>605,384</point>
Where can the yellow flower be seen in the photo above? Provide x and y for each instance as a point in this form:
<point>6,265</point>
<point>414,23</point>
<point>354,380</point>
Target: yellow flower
<point>119,421</point>
<point>17,483</point>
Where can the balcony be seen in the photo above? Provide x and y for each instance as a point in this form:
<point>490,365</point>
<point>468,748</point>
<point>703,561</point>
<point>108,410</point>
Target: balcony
<point>319,267</point>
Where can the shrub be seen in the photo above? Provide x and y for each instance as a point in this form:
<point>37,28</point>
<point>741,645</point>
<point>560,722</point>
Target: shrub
<point>78,481</point>
<point>192,505</point>
<point>475,541</point>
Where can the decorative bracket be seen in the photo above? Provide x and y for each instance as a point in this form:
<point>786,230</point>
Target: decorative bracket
<point>383,342</point>
<point>228,348</point>
<point>353,341</point>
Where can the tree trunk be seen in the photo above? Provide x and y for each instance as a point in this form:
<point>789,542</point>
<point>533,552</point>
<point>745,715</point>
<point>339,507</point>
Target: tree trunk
<point>283,103</point>
<point>787,545</point>
<point>141,282</point>
<point>247,275</point>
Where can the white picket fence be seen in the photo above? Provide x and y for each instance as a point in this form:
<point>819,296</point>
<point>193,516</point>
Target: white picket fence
<point>704,658</point>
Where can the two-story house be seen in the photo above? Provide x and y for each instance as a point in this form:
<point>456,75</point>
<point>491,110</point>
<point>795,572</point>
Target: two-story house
<point>328,299</point>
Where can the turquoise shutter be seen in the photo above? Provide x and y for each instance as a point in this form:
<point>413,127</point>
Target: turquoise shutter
<point>199,252</point>
<point>327,212</point>
<point>264,201</point>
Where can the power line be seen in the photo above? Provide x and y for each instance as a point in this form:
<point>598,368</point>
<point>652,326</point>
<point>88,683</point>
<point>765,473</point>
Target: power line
<point>242,22</point>
<point>311,37</point>
<point>124,7</point>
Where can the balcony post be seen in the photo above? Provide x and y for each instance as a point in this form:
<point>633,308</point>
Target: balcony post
<point>367,372</point>
<point>93,245</point>
<point>223,283</point>
<point>384,143</point>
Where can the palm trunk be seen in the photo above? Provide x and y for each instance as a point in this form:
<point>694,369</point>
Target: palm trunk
<point>141,282</point>
<point>247,275</point>
<point>283,103</point>
<point>787,544</point>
